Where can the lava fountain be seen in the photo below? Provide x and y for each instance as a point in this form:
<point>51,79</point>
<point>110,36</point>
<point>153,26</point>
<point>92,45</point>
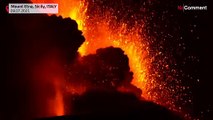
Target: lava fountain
<point>102,28</point>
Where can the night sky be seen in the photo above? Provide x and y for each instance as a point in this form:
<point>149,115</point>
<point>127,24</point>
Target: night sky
<point>185,37</point>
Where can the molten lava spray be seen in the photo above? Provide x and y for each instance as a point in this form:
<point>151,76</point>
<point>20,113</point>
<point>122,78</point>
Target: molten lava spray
<point>49,76</point>
<point>102,28</point>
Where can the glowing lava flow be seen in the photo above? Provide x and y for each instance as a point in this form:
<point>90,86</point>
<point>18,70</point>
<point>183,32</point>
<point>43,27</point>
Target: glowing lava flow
<point>49,73</point>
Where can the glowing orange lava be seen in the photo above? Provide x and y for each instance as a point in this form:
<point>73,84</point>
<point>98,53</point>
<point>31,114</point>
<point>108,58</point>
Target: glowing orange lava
<point>49,78</point>
<point>99,33</point>
<point>102,31</point>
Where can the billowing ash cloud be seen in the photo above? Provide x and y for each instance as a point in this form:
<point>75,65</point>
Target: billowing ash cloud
<point>33,49</point>
<point>109,94</point>
<point>107,69</point>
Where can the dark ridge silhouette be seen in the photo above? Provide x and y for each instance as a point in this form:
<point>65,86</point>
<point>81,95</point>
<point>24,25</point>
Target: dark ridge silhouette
<point>112,103</point>
<point>115,105</point>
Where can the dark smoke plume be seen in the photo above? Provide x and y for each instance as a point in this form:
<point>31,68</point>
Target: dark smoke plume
<point>107,69</point>
<point>29,43</point>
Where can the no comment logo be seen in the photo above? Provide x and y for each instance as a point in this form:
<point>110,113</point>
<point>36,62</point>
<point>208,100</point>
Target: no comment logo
<point>191,8</point>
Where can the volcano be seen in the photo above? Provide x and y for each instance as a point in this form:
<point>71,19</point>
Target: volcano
<point>124,59</point>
